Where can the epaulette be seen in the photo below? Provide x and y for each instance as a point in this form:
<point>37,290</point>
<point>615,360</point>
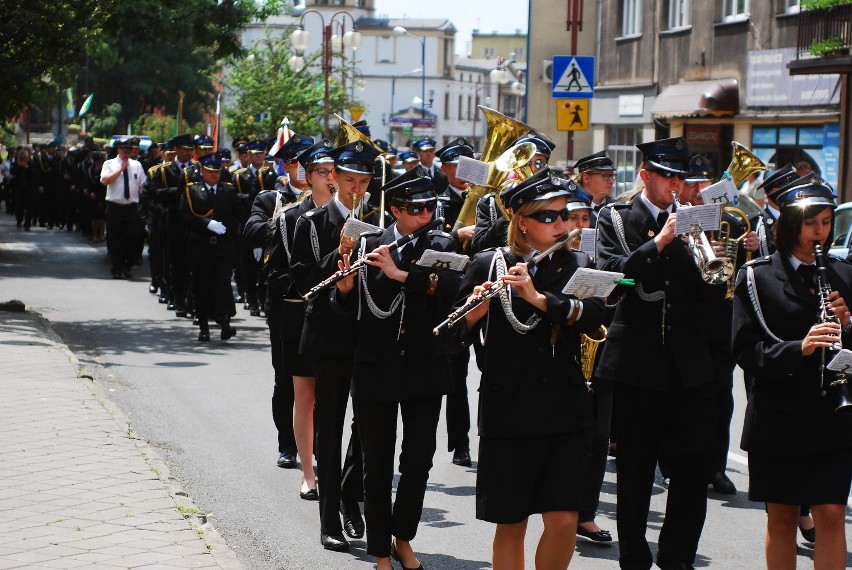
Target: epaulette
<point>239,171</point>
<point>758,261</point>
<point>152,171</point>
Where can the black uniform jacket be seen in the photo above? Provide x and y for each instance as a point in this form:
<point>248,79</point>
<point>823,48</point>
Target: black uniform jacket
<point>313,258</point>
<point>786,414</point>
<point>165,185</point>
<point>651,343</point>
<point>398,358</point>
<point>491,225</point>
<point>764,227</point>
<point>198,207</point>
<point>531,383</point>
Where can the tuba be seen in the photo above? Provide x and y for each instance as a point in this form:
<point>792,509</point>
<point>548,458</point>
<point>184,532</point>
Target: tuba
<point>732,245</point>
<point>517,159</point>
<point>743,164</point>
<point>501,132</point>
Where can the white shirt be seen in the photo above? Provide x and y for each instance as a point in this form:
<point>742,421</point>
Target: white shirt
<point>655,211</point>
<point>115,190</point>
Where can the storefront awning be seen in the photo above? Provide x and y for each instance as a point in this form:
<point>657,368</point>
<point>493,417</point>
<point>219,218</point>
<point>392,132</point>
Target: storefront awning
<point>718,98</point>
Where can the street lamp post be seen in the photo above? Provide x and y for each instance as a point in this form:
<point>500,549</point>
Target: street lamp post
<point>393,94</point>
<point>400,31</point>
<point>300,39</point>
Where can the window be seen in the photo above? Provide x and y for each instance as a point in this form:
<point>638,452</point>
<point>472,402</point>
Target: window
<point>489,52</point>
<point>621,147</point>
<point>679,13</point>
<point>385,49</point>
<point>469,107</point>
<point>461,106</point>
<point>631,17</point>
<point>447,106</point>
<point>734,10</point>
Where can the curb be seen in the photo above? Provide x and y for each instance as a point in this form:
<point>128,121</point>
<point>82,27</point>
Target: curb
<point>219,549</point>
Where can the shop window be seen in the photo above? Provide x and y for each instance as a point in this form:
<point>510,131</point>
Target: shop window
<point>631,17</point>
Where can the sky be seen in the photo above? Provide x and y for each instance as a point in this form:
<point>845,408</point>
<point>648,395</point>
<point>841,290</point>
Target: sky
<point>503,16</point>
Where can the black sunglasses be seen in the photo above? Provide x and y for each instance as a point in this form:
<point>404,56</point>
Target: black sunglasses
<point>549,216</point>
<point>418,208</point>
<point>670,174</point>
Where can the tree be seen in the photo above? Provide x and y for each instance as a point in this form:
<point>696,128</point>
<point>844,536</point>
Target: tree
<point>105,125</point>
<point>266,89</point>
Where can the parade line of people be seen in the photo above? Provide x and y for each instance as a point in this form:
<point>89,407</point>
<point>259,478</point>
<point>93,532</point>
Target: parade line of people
<point>379,272</point>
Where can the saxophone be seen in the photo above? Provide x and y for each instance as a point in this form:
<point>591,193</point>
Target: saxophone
<point>589,344</point>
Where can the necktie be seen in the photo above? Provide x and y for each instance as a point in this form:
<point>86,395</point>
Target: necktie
<point>808,274</point>
<point>661,218</point>
<point>126,184</point>
<point>212,190</point>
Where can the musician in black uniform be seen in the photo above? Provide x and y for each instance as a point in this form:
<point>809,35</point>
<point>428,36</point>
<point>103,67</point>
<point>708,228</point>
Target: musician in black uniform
<point>450,202</point>
<point>328,339</point>
<point>400,366</point>
<point>212,212</point>
<point>425,149</point>
<point>596,175</point>
<point>248,184</point>
<point>666,410</point>
<point>790,465</point>
<point>177,176</point>
<point>409,159</point>
<point>771,211</point>
<point>262,230</point>
<point>533,396</point>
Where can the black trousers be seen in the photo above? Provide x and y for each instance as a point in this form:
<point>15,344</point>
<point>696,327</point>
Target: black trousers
<point>156,244</point>
<point>123,226</point>
<point>250,270</point>
<point>458,408</point>
<point>282,393</point>
<point>597,448</point>
<point>377,423</point>
<point>676,427</point>
<point>212,287</point>
<point>178,269</point>
<point>333,380</point>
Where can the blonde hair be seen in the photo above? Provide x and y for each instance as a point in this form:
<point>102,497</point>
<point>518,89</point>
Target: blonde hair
<point>515,238</point>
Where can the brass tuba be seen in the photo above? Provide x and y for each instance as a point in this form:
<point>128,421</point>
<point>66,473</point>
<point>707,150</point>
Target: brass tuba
<point>501,132</point>
<point>516,159</point>
<point>743,164</point>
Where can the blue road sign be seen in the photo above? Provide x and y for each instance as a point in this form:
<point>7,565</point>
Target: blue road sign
<point>573,77</point>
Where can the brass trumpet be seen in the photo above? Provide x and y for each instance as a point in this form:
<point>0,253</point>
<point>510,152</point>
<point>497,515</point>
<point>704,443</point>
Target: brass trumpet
<point>714,270</point>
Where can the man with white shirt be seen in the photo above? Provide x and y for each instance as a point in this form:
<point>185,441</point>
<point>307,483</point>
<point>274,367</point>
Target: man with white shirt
<point>425,149</point>
<point>123,177</point>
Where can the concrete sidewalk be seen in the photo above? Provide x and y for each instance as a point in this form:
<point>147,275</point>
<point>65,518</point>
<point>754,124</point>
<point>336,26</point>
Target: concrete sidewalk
<point>77,489</point>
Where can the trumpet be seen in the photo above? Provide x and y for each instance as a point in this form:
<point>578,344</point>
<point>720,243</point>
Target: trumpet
<point>840,384</point>
<point>359,263</point>
<point>714,270</point>
<point>497,286</point>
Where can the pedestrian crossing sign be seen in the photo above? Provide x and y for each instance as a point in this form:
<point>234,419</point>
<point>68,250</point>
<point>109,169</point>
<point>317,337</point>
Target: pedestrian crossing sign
<point>572,114</point>
<point>573,77</point>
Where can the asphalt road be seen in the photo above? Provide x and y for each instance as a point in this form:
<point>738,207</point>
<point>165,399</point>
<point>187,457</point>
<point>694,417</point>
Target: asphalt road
<point>207,409</point>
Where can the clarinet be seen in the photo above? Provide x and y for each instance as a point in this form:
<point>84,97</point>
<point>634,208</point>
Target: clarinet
<point>497,286</point>
<point>359,263</point>
<point>826,315</point>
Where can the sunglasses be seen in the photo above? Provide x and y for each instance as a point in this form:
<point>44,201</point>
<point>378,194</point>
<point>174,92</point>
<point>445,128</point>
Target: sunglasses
<point>418,208</point>
<point>549,216</point>
<point>669,174</point>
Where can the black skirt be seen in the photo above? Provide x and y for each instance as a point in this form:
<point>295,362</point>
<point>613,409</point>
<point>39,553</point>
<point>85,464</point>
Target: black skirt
<point>293,363</point>
<point>549,479</point>
<point>815,479</point>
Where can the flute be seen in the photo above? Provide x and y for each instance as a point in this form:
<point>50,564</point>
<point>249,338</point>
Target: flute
<point>359,263</point>
<point>497,286</point>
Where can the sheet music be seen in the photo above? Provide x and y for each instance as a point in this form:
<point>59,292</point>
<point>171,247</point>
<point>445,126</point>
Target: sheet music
<point>441,260</point>
<point>707,217</point>
<point>842,362</point>
<point>587,283</point>
<point>723,192</point>
<point>587,242</point>
<point>300,174</point>
<point>354,228</point>
<point>473,171</point>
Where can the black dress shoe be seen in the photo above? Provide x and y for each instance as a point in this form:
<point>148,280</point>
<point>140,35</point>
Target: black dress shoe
<point>353,522</point>
<point>336,542</point>
<point>180,313</point>
<point>153,289</point>
<point>204,336</point>
<point>395,556</point>
<point>666,563</point>
<point>595,536</point>
<point>246,306</point>
<point>461,457</point>
<point>254,311</point>
<point>240,298</point>
<point>287,460</point>
<point>162,300</point>
<point>227,332</point>
<point>170,306</point>
<point>723,485</point>
<point>809,534</point>
<point>309,495</point>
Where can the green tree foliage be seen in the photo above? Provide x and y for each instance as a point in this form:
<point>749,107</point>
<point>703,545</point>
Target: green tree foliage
<point>7,134</point>
<point>42,43</point>
<point>263,83</point>
<point>106,124</point>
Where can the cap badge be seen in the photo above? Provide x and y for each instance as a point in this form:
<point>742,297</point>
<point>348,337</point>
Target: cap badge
<point>679,145</point>
<point>359,146</point>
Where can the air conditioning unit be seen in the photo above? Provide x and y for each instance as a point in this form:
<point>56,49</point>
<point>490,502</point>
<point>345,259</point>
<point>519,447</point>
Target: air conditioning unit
<point>547,70</point>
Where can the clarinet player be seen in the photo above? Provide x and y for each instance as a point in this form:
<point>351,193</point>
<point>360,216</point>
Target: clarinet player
<point>784,351</point>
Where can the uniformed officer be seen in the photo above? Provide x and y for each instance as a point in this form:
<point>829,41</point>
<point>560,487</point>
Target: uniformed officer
<point>771,185</point>
<point>596,175</point>
<point>328,338</point>
<point>392,339</point>
<point>212,212</point>
<point>666,408</point>
<point>409,159</point>
<point>425,149</point>
<point>246,180</point>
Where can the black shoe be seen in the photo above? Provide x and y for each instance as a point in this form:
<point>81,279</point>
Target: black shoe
<point>254,311</point>
<point>665,563</point>
<point>666,482</point>
<point>353,522</point>
<point>309,495</point>
<point>336,542</point>
<point>162,300</point>
<point>809,534</point>
<point>128,274</point>
<point>287,460</point>
<point>170,306</point>
<point>596,536</point>
<point>240,298</point>
<point>395,556</point>
<point>723,485</point>
<point>153,289</point>
<point>461,457</point>
<point>246,306</point>
<point>204,336</point>
<point>227,332</point>
<point>116,274</point>
<point>180,313</point>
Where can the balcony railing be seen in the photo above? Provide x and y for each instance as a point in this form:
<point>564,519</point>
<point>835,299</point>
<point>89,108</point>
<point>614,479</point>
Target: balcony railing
<point>830,28</point>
